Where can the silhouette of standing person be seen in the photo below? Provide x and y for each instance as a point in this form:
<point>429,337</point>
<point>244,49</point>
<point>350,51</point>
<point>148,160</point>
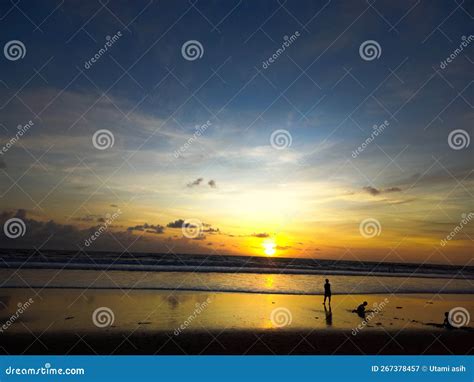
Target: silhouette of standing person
<point>327,292</point>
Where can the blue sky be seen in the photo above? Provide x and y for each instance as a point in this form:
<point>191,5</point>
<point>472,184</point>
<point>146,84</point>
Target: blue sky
<point>320,90</point>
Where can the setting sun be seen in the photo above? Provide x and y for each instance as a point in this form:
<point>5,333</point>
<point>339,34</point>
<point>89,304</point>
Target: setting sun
<point>269,248</point>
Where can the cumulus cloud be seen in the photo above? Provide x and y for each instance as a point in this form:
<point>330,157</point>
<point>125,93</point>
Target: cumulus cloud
<point>393,189</point>
<point>376,191</point>
<point>195,183</point>
<point>211,230</point>
<point>371,190</point>
<point>150,228</point>
<point>261,235</point>
<point>51,235</point>
<point>205,227</point>
<point>176,224</point>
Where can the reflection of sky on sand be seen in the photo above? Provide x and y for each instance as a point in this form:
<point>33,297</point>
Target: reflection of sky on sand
<point>71,310</point>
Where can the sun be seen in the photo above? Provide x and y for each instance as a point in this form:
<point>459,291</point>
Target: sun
<point>269,248</point>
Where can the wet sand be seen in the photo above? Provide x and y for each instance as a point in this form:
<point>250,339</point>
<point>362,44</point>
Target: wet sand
<point>61,321</point>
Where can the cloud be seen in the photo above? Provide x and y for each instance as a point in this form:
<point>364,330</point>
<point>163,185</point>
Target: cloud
<point>212,183</point>
<point>211,230</point>
<point>195,183</point>
<point>393,189</point>
<point>150,228</point>
<point>376,191</point>
<point>371,190</point>
<point>89,218</point>
<point>56,236</point>
<point>260,235</point>
<point>176,224</point>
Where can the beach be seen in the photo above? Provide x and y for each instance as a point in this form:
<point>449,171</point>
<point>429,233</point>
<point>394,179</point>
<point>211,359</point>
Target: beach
<point>124,321</point>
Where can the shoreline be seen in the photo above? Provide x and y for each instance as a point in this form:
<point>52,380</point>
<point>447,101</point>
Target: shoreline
<point>227,291</point>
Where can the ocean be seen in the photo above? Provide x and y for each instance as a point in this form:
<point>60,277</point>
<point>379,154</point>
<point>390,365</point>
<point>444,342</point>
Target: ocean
<point>145,271</point>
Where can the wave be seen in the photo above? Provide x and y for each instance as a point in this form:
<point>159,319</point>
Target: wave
<point>222,269</point>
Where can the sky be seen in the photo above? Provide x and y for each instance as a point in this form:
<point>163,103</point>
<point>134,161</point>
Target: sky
<point>315,129</point>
